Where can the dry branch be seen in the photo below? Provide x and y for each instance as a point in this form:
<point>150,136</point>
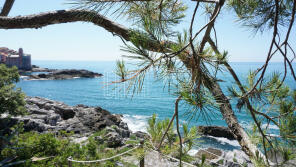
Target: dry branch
<point>7,7</point>
<point>62,16</point>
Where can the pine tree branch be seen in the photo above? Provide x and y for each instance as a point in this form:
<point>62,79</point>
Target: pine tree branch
<point>68,16</point>
<point>7,7</point>
<point>211,25</point>
<point>62,16</point>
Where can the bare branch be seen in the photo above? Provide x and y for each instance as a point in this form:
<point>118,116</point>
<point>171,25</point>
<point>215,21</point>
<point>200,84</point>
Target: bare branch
<point>68,16</point>
<point>178,130</point>
<point>171,121</point>
<point>210,26</point>
<point>62,16</point>
<point>7,7</point>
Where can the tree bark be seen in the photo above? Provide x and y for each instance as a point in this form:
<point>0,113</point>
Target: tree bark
<point>226,110</point>
<point>63,16</point>
<point>68,16</point>
<point>225,107</point>
<point>7,7</point>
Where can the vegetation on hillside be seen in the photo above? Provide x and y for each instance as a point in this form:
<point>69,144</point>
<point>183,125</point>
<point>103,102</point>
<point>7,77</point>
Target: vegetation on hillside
<point>34,149</point>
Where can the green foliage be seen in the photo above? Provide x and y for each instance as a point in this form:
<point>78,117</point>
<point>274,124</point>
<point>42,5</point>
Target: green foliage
<point>276,107</point>
<point>11,102</point>
<point>189,137</point>
<point>260,14</point>
<point>201,103</point>
<point>121,70</point>
<point>11,99</point>
<point>156,129</point>
<point>56,149</point>
<point>159,14</point>
<point>203,160</point>
<point>157,17</point>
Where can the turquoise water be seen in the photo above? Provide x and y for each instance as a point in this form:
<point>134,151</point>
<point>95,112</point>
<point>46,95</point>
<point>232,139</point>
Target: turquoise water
<point>154,97</point>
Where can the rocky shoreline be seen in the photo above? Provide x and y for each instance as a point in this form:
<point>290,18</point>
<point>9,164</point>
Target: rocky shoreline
<point>48,116</point>
<point>55,74</point>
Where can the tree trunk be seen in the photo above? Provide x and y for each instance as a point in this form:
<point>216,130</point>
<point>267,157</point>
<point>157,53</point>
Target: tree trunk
<point>226,110</point>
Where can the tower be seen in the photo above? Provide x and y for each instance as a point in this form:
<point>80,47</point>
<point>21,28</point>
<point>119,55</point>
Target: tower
<point>21,54</point>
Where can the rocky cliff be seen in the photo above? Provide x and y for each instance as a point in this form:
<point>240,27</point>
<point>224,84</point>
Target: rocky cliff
<point>46,115</point>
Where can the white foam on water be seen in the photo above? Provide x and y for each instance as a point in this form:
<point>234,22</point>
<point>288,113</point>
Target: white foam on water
<point>23,76</point>
<point>271,126</point>
<point>41,79</point>
<point>246,125</point>
<point>273,135</point>
<point>250,126</point>
<point>136,122</point>
<point>224,141</point>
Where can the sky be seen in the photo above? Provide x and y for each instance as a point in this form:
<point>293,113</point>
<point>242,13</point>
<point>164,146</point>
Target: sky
<point>85,41</point>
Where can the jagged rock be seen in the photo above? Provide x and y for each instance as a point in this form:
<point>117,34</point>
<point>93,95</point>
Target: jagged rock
<point>122,132</point>
<point>235,158</point>
<point>64,74</point>
<point>216,131</point>
<point>123,125</point>
<point>113,139</point>
<point>141,135</point>
<point>215,157</point>
<point>278,157</point>
<point>47,115</point>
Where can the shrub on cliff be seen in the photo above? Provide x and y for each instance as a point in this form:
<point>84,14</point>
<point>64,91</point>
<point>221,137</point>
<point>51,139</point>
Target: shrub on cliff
<point>11,99</point>
<point>54,149</point>
<point>12,103</point>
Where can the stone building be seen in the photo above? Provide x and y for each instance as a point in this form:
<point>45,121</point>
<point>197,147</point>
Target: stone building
<point>12,58</point>
<point>3,57</point>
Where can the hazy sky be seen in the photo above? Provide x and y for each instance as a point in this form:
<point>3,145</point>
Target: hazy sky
<point>85,41</point>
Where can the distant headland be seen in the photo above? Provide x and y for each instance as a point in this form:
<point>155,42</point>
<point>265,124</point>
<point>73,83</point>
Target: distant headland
<point>22,61</point>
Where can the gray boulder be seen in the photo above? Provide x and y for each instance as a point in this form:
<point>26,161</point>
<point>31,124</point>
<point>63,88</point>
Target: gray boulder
<point>216,131</point>
<point>113,139</point>
<point>47,115</point>
<point>141,135</point>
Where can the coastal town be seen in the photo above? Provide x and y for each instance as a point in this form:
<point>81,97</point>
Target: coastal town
<point>15,58</point>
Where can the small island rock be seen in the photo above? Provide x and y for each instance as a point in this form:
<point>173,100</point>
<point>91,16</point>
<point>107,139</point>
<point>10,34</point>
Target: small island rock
<point>216,131</point>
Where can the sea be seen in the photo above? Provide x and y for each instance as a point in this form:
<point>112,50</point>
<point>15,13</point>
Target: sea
<point>156,97</point>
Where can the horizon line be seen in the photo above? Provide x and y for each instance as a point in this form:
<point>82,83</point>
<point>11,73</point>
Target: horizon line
<point>135,60</point>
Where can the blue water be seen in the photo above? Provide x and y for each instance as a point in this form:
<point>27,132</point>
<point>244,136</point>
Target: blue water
<point>136,109</point>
